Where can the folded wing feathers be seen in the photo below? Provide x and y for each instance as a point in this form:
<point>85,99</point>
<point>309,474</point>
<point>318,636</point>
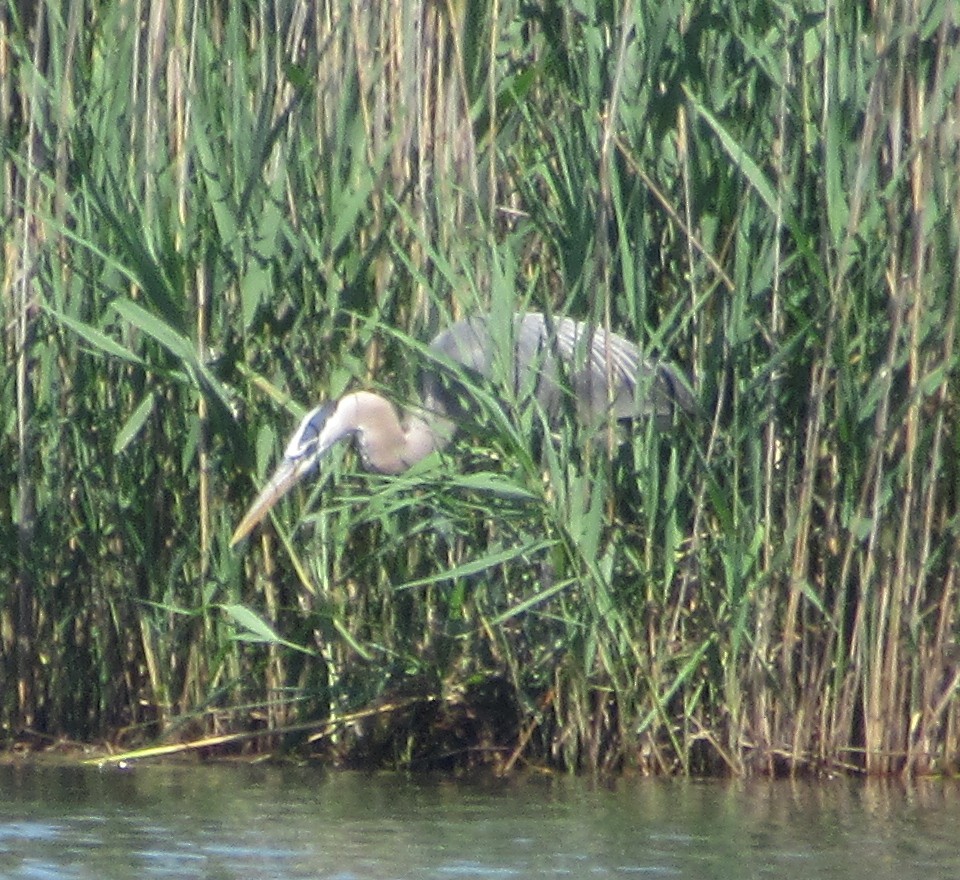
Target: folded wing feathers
<point>622,355</point>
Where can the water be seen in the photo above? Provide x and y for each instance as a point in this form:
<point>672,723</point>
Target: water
<point>226,821</point>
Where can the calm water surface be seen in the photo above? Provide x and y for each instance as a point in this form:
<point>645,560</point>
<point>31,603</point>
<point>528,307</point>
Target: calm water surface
<point>265,822</point>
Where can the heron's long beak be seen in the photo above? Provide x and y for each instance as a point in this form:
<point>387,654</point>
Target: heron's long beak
<point>285,477</point>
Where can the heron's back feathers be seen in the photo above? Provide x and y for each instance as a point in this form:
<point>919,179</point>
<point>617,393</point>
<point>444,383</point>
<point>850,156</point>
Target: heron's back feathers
<point>565,364</point>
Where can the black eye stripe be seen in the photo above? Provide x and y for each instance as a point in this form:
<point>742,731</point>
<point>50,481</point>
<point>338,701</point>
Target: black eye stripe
<point>307,434</point>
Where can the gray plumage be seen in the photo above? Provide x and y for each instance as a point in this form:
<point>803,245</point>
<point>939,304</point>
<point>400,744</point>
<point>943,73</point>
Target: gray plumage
<point>564,364</point>
<point>559,360</point>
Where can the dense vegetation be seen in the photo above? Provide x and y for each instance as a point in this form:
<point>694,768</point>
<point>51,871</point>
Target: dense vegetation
<point>215,214</point>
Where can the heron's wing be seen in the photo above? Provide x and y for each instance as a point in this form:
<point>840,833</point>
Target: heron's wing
<point>610,376</point>
<point>565,364</point>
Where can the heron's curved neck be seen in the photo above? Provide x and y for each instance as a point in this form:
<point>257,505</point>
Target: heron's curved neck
<point>386,444</point>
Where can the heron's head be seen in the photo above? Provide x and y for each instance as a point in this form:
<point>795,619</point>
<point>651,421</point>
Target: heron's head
<point>306,447</point>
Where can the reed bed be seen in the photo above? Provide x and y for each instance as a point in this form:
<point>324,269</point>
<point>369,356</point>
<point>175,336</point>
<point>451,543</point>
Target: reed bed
<point>216,214</point>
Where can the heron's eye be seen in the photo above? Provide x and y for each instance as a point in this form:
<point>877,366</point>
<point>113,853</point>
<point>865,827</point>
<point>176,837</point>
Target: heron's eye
<point>304,439</point>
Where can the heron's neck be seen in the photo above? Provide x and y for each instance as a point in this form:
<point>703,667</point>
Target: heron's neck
<point>421,436</point>
<point>386,444</point>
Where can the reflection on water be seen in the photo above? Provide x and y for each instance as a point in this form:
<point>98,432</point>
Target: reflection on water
<point>227,821</point>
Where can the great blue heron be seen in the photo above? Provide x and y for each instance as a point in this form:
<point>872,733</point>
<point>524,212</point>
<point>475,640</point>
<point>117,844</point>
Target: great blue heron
<point>606,375</point>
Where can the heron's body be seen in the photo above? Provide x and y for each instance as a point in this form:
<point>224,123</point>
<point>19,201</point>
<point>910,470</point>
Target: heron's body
<point>562,359</point>
<point>553,361</point>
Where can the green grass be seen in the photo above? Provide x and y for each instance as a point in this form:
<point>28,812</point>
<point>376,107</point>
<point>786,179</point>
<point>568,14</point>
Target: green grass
<point>213,220</point>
